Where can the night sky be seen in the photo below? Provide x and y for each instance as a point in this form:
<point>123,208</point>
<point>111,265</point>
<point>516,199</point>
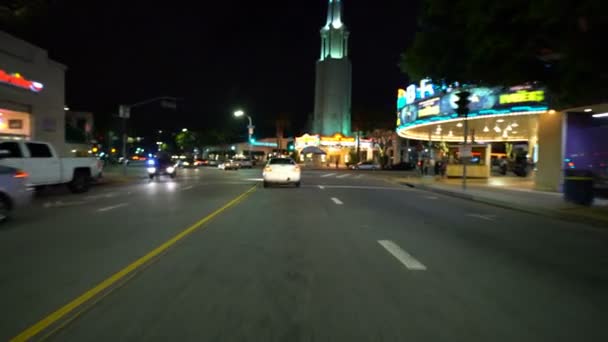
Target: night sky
<point>220,56</point>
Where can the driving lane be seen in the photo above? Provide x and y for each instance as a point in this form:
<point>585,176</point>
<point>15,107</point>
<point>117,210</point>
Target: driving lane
<point>355,258</point>
<point>53,253</point>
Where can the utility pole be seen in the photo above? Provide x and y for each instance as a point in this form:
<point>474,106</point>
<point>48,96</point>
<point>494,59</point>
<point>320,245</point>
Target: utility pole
<point>124,112</point>
<point>465,151</point>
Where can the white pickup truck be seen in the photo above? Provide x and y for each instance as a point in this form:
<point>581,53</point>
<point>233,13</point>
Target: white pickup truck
<point>44,167</point>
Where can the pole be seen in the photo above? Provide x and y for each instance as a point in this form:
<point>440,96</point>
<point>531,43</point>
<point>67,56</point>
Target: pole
<point>464,161</point>
<point>250,133</point>
<point>124,146</point>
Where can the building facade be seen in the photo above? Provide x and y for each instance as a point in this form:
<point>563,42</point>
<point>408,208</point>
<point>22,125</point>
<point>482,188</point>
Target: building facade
<point>332,111</point>
<point>32,93</point>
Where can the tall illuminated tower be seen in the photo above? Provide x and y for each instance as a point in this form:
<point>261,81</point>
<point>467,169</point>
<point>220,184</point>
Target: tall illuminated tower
<point>333,77</point>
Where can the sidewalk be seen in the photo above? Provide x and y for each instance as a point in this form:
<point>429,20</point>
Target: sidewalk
<point>518,194</point>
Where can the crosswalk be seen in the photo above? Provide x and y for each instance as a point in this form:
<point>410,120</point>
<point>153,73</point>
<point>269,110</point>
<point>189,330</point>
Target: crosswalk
<point>341,175</point>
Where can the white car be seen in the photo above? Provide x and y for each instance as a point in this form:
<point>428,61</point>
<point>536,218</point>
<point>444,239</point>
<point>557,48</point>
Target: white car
<point>228,165</point>
<point>14,192</point>
<point>366,165</point>
<point>281,171</point>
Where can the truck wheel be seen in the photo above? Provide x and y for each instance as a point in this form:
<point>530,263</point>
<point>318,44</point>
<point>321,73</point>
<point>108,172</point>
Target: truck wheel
<point>5,208</point>
<point>80,183</point>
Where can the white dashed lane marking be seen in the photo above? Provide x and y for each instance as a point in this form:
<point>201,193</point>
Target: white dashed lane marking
<point>404,257</point>
<point>337,201</point>
<point>344,175</point>
<point>328,175</point>
<point>119,205</point>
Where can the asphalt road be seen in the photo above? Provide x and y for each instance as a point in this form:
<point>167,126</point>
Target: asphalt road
<point>347,257</point>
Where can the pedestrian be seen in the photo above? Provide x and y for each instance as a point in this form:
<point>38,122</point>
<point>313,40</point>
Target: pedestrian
<point>433,166</point>
<point>421,165</point>
<point>438,168</point>
<point>337,162</point>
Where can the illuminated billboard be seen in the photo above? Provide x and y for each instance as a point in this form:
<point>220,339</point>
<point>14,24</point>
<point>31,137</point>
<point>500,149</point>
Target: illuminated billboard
<point>484,101</point>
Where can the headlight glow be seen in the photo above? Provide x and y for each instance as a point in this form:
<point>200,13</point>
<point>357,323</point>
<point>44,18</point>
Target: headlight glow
<point>151,170</point>
<point>170,169</point>
<point>151,162</point>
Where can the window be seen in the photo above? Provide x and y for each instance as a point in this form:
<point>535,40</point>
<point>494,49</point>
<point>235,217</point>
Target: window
<point>281,161</point>
<point>13,148</point>
<point>39,150</point>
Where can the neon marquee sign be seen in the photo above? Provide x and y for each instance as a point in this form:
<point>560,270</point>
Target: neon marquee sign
<point>19,81</point>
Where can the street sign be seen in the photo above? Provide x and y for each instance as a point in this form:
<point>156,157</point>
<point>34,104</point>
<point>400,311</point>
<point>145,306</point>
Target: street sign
<point>465,151</point>
<point>124,112</point>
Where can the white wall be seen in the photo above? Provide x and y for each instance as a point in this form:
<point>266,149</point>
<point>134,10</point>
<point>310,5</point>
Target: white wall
<point>46,107</point>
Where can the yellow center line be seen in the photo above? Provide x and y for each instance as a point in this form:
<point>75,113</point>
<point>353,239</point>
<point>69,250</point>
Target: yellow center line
<point>104,285</point>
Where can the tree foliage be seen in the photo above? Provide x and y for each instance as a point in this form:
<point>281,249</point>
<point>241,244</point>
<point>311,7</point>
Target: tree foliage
<point>512,42</point>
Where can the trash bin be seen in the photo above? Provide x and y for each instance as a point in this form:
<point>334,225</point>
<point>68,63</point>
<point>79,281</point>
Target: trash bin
<point>578,186</point>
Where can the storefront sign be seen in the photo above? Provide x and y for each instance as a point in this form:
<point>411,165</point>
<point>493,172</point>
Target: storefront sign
<point>307,140</point>
<point>523,96</point>
<point>413,93</point>
<point>429,107</point>
<point>19,81</point>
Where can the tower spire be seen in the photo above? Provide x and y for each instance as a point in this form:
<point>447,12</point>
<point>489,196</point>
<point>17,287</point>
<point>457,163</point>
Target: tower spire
<point>334,35</point>
<point>334,14</point>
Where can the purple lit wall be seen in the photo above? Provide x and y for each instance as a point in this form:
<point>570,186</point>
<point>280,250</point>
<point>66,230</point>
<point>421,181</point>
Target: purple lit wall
<point>587,143</point>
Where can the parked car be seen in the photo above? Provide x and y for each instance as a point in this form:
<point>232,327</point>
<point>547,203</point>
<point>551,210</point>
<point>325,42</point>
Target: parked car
<point>366,165</point>
<point>281,171</point>
<point>14,191</point>
<point>229,165</point>
<point>45,167</point>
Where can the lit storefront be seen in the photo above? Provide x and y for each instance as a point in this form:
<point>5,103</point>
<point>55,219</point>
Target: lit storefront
<point>335,148</point>
<point>508,115</point>
<point>32,94</point>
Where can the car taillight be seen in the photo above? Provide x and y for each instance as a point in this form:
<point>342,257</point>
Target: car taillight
<point>21,174</point>
<point>267,169</point>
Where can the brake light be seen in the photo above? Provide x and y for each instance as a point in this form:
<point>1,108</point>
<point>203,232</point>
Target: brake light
<point>267,169</point>
<point>21,174</point>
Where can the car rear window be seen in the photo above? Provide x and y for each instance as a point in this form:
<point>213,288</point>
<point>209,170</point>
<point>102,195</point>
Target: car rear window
<point>283,161</point>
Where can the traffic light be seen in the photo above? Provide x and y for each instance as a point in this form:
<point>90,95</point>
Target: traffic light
<point>95,149</point>
<point>290,146</point>
<point>463,103</point>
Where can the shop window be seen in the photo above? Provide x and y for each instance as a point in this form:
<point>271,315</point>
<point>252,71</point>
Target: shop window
<point>39,150</point>
<point>13,148</point>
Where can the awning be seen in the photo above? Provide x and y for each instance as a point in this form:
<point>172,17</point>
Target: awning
<point>313,150</point>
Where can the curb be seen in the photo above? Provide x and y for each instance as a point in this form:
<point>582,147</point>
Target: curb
<point>578,218</point>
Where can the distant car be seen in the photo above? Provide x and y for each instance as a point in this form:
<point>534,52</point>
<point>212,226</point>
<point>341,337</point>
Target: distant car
<point>229,165</point>
<point>281,171</point>
<point>244,163</point>
<point>161,166</point>
<point>187,163</point>
<point>366,165</point>
<point>14,191</point>
<point>212,162</point>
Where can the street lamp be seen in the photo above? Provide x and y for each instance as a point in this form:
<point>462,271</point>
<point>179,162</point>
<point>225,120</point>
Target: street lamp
<point>184,130</point>
<point>239,113</point>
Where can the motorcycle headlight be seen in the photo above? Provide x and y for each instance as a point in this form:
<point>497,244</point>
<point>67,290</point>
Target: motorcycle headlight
<point>170,169</point>
<point>151,170</point>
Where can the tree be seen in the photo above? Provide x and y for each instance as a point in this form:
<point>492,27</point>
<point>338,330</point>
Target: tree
<point>514,42</point>
<point>185,141</point>
<point>382,140</point>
